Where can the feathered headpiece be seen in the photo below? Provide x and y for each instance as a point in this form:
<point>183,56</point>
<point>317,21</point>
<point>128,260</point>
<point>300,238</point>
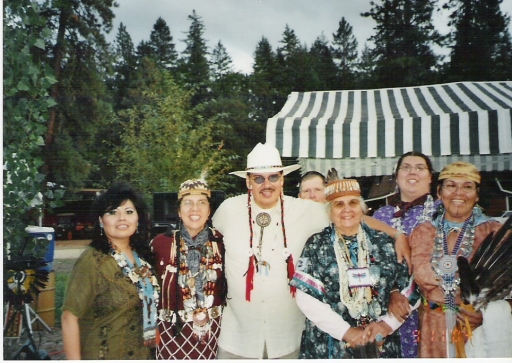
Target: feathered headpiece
<point>195,187</point>
<point>337,187</point>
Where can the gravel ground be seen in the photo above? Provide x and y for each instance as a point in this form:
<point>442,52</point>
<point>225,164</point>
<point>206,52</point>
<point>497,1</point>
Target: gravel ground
<point>50,342</point>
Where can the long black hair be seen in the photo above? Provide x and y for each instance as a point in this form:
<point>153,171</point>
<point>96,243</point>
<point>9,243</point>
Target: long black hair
<point>115,196</point>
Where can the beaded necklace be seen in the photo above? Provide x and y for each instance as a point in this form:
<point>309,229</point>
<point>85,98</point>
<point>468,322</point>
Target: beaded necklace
<point>444,263</point>
<point>253,262</point>
<point>195,308</point>
<point>358,300</point>
<point>147,288</point>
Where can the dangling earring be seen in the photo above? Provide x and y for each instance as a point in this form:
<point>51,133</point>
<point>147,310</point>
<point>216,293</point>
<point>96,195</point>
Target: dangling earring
<point>137,231</point>
<point>101,229</point>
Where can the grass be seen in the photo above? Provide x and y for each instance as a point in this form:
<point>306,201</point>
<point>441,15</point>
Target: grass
<point>61,279</point>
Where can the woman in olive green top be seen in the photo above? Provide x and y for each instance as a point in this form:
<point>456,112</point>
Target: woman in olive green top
<point>109,309</point>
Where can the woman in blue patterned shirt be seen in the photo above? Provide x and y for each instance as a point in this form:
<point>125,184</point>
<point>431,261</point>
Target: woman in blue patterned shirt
<point>344,279</point>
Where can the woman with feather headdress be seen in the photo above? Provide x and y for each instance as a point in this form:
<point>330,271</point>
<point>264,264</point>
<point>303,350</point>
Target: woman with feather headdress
<point>459,229</point>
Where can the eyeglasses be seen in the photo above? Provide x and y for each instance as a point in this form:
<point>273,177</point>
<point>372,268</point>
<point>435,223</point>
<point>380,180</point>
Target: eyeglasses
<point>340,204</point>
<point>260,179</point>
<point>465,188</point>
<point>407,168</point>
<point>201,204</point>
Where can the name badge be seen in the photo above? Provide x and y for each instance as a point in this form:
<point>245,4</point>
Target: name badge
<point>359,277</point>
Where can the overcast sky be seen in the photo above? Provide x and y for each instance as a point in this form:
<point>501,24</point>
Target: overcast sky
<point>240,24</point>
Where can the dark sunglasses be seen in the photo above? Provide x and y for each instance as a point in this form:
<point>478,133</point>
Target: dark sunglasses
<point>260,179</point>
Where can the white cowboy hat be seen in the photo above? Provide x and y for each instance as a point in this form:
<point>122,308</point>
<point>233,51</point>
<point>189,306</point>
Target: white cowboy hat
<point>265,159</point>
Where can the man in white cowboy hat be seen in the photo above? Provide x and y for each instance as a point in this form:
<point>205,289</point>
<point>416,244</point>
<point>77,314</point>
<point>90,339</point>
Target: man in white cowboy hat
<point>264,234</point>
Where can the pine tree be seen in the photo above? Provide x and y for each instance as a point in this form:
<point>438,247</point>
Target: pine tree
<point>365,69</point>
<point>80,59</point>
<point>290,43</point>
<point>124,66</point>
<point>323,64</point>
<point>297,66</point>
<point>161,43</point>
<point>221,62</point>
<point>480,41</point>
<point>345,54</point>
<point>403,42</point>
<point>144,50</point>
<point>263,85</point>
<point>196,68</point>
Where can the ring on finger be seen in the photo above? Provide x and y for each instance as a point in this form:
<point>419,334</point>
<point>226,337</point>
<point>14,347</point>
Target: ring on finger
<point>379,338</point>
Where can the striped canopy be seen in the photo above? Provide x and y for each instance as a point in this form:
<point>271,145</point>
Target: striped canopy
<point>364,132</point>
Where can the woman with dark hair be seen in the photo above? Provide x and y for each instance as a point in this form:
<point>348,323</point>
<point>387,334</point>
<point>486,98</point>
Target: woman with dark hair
<point>190,267</point>
<point>110,305</point>
<point>411,205</point>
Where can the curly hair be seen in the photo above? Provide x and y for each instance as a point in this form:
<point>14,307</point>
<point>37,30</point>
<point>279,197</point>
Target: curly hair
<point>115,196</point>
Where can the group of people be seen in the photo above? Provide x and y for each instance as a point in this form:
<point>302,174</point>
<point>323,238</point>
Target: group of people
<point>273,276</point>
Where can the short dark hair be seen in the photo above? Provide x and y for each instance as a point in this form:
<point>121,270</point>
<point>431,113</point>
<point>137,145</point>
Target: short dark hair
<point>112,198</point>
<point>415,153</point>
<point>310,175</point>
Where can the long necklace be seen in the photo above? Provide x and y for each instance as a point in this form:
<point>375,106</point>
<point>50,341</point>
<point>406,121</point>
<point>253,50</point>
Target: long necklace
<point>196,306</point>
<point>253,261</point>
<point>148,290</point>
<point>357,300</point>
<point>263,220</point>
<point>444,263</point>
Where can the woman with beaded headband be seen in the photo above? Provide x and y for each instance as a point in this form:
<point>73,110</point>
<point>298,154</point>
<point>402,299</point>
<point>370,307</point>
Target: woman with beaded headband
<point>458,230</point>
<point>344,278</point>
<point>411,205</point>
<point>110,305</point>
<point>190,265</point>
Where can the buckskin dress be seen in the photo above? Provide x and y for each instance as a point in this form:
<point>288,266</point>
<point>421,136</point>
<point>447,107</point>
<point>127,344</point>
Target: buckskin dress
<point>432,320</point>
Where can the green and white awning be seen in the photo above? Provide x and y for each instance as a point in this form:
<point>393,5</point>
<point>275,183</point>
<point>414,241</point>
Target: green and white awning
<point>364,132</point>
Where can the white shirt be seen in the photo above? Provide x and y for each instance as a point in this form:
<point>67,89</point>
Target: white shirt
<point>272,316</point>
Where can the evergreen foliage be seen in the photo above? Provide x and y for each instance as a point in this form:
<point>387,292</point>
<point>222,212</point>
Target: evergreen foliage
<point>345,54</point>
<point>162,47</point>
<point>404,40</point>
<point>481,45</point>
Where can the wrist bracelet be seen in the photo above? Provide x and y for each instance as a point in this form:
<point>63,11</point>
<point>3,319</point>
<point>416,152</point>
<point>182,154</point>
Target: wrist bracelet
<point>393,290</point>
<point>398,234</point>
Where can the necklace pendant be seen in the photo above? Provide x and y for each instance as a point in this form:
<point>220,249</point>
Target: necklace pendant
<point>263,219</point>
<point>201,325</point>
<point>448,265</point>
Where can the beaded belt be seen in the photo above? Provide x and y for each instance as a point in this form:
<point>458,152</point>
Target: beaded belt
<point>168,315</point>
<point>435,306</point>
